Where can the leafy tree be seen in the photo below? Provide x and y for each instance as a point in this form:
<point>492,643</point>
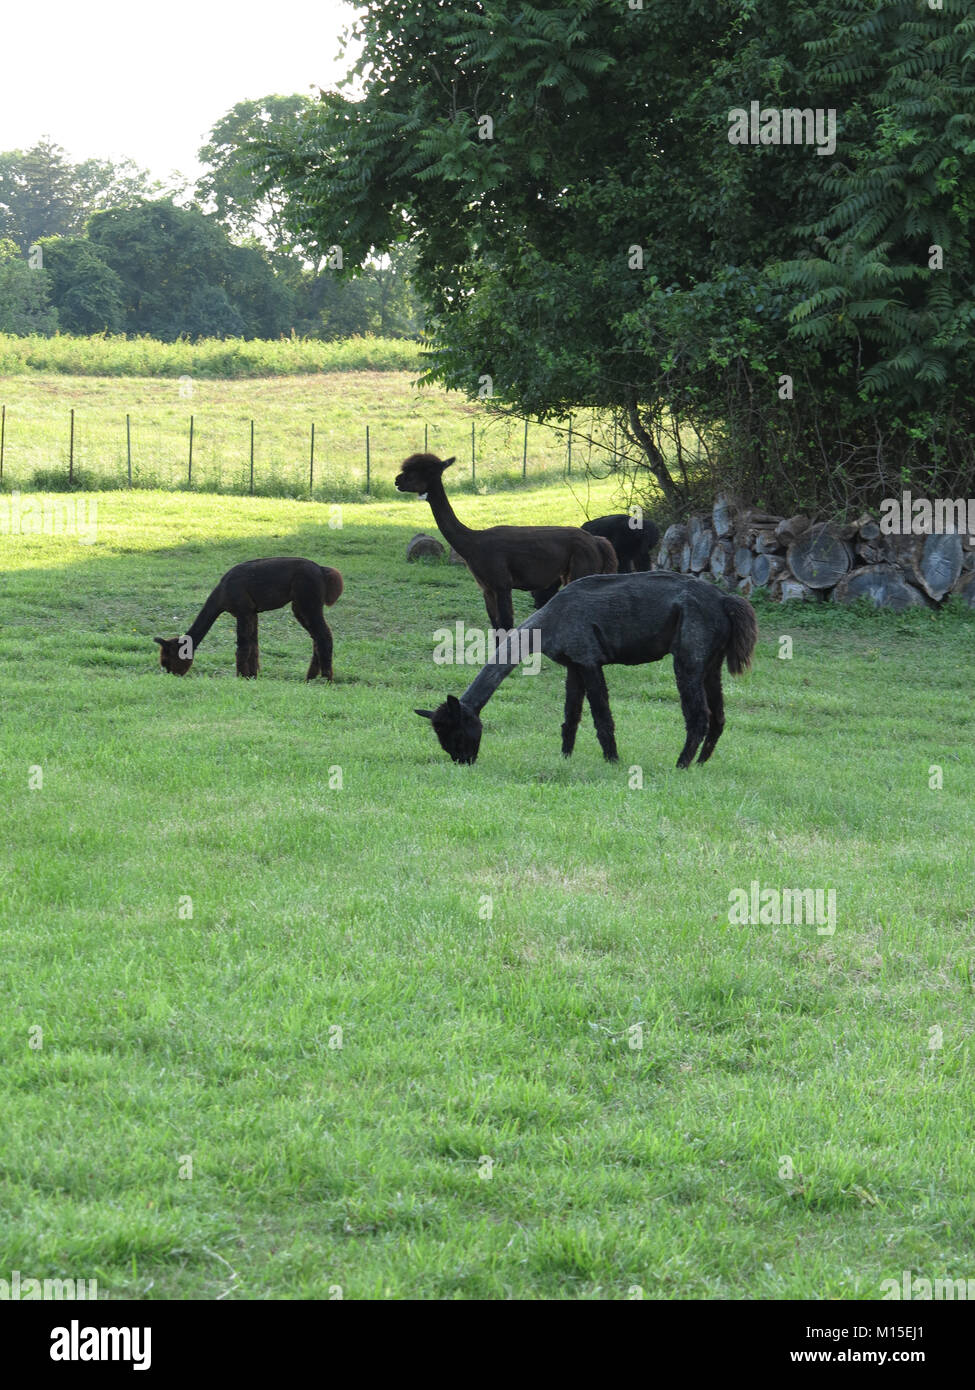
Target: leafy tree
<point>24,294</point>
<point>587,235</point>
<point>37,195</point>
<point>170,261</point>
<point>207,314</point>
<point>87,293</point>
<point>42,194</point>
<point>232,182</point>
<point>381,300</point>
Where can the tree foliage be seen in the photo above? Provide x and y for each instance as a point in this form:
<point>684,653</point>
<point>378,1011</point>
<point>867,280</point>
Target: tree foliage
<point>587,235</point>
<point>24,294</point>
<point>181,274</point>
<point>88,295</point>
<point>231,182</point>
<point>42,194</point>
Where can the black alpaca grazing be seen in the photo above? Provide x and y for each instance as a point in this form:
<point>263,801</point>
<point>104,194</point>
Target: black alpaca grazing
<point>631,543</point>
<point>626,620</point>
<point>255,587</point>
<point>502,558</point>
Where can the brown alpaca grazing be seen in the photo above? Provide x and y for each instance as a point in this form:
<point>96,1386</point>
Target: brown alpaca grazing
<point>502,558</point>
<point>256,586</point>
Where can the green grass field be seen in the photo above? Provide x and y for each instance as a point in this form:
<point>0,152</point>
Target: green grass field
<point>393,1049</point>
<point>401,420</point>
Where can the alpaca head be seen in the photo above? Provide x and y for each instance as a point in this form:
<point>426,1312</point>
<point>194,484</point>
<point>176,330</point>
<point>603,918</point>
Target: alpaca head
<point>457,727</point>
<point>175,654</point>
<point>419,471</point>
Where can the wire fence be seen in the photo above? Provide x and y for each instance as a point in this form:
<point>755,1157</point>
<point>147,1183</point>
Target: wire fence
<point>74,449</point>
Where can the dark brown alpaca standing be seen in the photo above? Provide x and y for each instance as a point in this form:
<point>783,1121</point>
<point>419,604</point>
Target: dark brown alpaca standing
<point>255,587</point>
<point>502,558</point>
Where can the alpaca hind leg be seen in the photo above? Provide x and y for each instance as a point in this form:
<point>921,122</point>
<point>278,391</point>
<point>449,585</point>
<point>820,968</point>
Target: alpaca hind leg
<point>715,698</point>
<point>321,655</point>
<point>322,636</point>
<point>693,701</point>
<point>598,696</point>
<point>541,596</point>
<point>248,662</point>
<point>575,691</point>
<point>315,667</point>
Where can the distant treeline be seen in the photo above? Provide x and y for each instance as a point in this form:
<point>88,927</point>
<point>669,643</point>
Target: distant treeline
<point>108,355</point>
<point>102,247</point>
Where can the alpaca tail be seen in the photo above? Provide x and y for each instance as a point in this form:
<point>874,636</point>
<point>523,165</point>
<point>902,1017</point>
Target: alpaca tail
<point>744,633</point>
<point>333,584</point>
<point>610,564</point>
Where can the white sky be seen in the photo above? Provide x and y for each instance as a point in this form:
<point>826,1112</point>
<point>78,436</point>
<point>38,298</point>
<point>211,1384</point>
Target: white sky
<point>113,78</point>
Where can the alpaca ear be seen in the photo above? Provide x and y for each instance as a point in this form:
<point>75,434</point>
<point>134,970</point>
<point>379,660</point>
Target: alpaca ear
<point>453,702</point>
<point>424,713</point>
<point>447,462</point>
<point>160,640</point>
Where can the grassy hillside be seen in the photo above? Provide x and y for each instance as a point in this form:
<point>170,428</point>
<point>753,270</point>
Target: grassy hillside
<point>400,417</point>
<point>295,1004</point>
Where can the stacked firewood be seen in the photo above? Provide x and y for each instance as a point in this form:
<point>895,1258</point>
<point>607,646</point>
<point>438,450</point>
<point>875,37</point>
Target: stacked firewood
<point>798,558</point>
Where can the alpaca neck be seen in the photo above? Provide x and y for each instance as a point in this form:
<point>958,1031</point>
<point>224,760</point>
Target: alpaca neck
<point>204,620</point>
<point>451,528</point>
<point>508,657</point>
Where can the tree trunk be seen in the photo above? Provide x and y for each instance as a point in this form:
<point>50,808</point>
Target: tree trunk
<point>701,550</point>
<point>965,588</point>
<point>939,564</point>
<point>818,558</point>
<point>722,560</point>
<point>723,516</point>
<point>791,590</point>
<point>658,464</point>
<point>792,528</point>
<point>767,543</point>
<point>884,585</point>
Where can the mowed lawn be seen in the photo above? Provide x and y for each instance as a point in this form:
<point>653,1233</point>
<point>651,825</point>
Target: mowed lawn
<point>393,1051</point>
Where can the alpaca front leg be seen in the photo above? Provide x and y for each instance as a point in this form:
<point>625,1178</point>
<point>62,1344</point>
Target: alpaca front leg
<point>491,604</point>
<point>505,611</point>
<point>322,637</point>
<point>598,696</point>
<point>248,659</point>
<point>575,691</point>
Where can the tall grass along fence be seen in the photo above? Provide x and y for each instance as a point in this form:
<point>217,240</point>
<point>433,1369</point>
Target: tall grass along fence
<point>302,463</point>
<point>117,355</point>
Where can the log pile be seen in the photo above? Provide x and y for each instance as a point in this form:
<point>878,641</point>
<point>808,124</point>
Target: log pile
<point>798,558</point>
